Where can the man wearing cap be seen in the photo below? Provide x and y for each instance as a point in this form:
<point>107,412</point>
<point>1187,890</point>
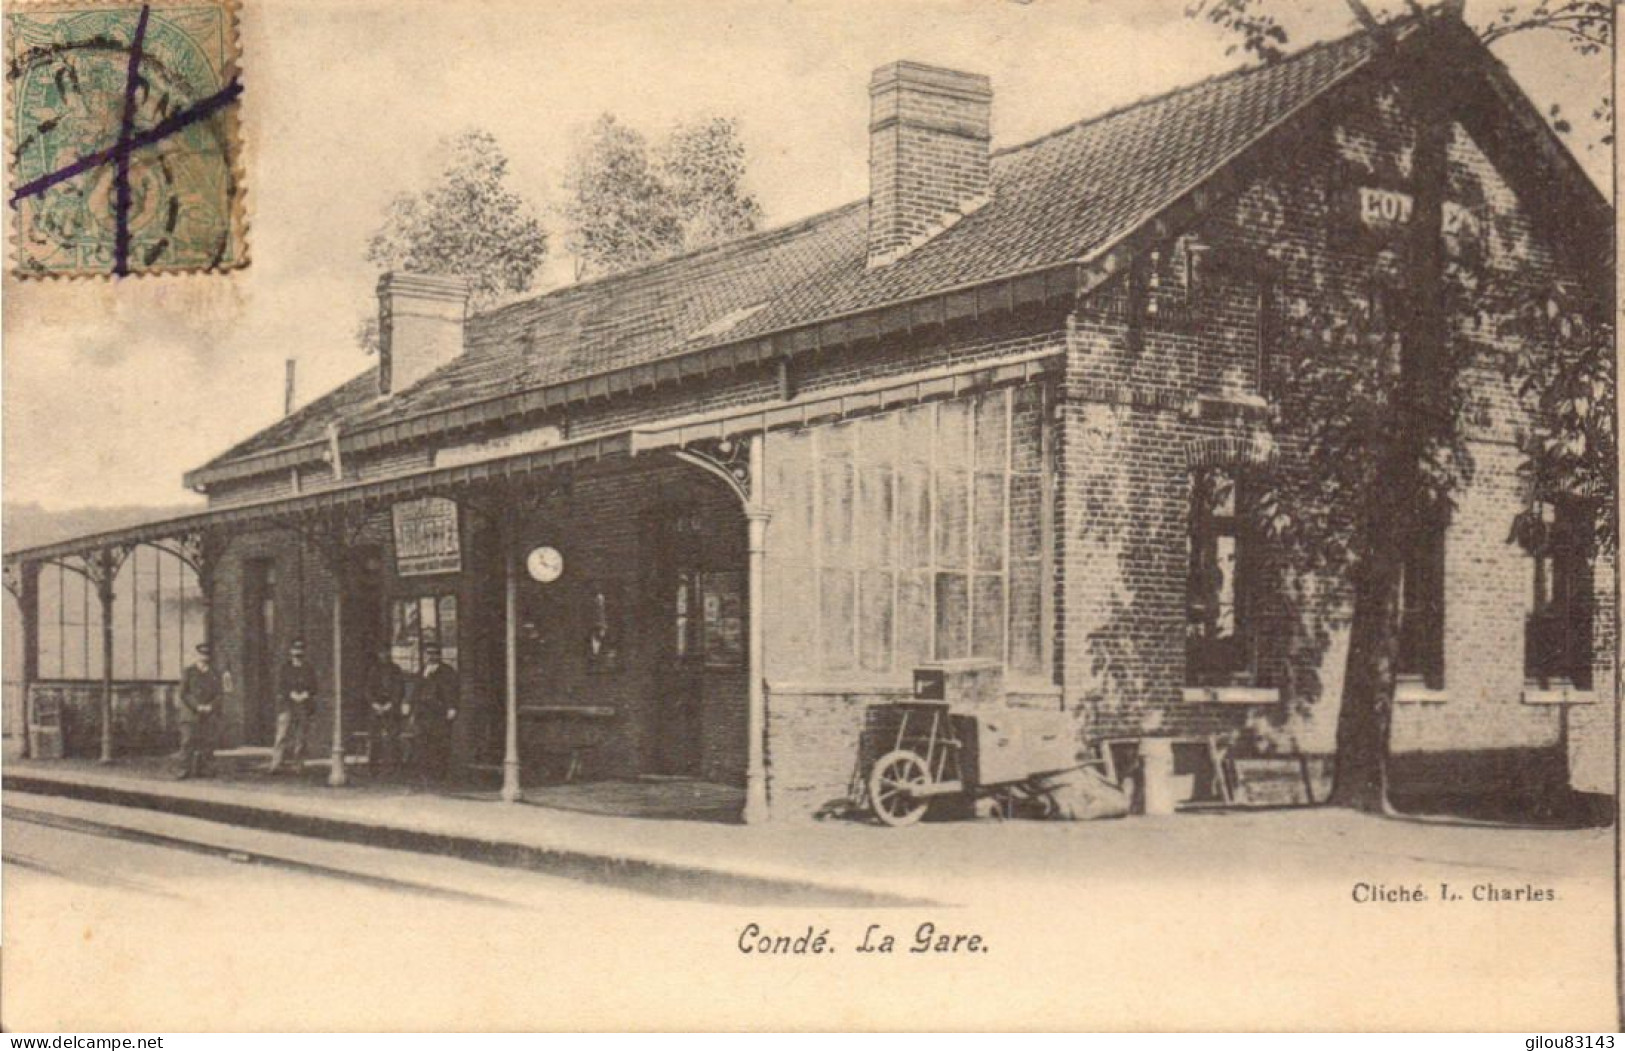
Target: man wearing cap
<point>435,697</point>
<point>296,704</point>
<point>201,696</point>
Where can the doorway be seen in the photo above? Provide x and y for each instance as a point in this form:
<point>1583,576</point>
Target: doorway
<point>259,651</point>
<point>676,702</point>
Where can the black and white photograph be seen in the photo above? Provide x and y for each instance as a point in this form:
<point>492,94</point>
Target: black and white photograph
<point>1084,515</point>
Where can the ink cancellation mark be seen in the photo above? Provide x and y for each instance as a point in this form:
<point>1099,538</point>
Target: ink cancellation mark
<point>124,120</point>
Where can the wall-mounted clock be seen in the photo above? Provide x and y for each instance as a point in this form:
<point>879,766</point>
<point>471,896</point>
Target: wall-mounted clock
<point>544,564</point>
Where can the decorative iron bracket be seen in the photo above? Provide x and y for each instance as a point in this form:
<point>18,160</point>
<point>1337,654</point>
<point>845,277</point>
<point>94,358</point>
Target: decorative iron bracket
<point>726,458</point>
<point>201,550</point>
<point>15,575</point>
<point>104,567</point>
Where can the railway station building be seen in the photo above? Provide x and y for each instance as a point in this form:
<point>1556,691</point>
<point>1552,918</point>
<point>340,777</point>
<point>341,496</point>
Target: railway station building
<point>694,519</point>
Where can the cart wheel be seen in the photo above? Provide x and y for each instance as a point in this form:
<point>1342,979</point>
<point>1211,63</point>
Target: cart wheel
<point>1045,804</point>
<point>892,781</point>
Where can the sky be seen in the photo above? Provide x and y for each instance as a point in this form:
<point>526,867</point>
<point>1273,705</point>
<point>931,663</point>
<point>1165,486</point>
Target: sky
<point>113,389</point>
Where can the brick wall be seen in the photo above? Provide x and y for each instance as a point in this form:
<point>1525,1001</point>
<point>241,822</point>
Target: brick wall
<point>1140,407</point>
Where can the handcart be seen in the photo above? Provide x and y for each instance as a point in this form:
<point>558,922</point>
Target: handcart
<point>928,751</point>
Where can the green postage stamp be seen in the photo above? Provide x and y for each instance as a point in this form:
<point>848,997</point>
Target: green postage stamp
<point>123,129</point>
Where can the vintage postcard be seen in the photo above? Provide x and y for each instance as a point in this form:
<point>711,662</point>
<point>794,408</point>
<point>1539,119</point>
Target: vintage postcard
<point>912,514</point>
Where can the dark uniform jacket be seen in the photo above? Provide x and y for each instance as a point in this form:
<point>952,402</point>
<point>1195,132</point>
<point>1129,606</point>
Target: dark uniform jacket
<point>200,688</point>
<point>436,692</point>
<point>296,679</point>
<point>384,687</point>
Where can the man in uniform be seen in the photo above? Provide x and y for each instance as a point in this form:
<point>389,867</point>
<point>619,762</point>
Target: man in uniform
<point>201,696</point>
<point>296,704</point>
<point>384,689</point>
<point>434,702</point>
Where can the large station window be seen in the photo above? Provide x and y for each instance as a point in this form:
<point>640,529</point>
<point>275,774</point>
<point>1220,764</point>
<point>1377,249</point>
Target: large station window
<point>908,536</point>
<point>417,621</point>
<point>157,619</point>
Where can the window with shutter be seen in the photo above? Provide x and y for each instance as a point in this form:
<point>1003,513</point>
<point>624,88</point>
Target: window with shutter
<point>1557,633</point>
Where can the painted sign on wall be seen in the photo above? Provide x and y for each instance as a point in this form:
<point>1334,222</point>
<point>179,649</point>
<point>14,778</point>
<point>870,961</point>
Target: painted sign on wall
<point>1385,214</point>
<point>426,538</point>
<point>1380,208</point>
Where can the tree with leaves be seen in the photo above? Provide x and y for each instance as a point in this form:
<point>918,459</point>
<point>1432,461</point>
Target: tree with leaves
<point>1378,394</point>
<point>469,223</point>
<point>1372,394</point>
<point>629,202</point>
<point>703,165</point>
<point>1564,372</point>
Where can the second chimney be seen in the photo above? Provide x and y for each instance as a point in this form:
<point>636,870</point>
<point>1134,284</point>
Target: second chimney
<point>420,326</point>
<point>929,130</point>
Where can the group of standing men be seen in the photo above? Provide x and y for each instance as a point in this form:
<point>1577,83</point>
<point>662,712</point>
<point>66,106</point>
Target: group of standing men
<point>410,718</point>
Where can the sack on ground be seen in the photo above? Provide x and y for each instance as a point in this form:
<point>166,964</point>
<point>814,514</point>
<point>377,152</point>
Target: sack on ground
<point>1084,795</point>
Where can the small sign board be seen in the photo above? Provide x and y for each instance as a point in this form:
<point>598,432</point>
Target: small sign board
<point>1380,208</point>
<point>930,684</point>
<point>426,538</point>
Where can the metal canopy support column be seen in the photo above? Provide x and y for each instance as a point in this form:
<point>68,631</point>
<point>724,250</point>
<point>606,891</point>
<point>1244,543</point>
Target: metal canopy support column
<point>756,810</point>
<point>511,790</point>
<point>501,507</point>
<point>334,536</point>
<point>22,580</point>
<point>337,777</point>
<point>740,463</point>
<point>202,550</point>
<point>102,568</point>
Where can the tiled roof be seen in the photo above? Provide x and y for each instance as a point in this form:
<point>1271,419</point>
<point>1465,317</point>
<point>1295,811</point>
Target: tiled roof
<point>1057,199</point>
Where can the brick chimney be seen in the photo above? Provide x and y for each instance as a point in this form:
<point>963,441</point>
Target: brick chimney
<point>929,130</point>
<point>420,326</point>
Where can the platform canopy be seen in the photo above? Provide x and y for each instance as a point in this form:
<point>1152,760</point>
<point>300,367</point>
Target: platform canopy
<point>445,481</point>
